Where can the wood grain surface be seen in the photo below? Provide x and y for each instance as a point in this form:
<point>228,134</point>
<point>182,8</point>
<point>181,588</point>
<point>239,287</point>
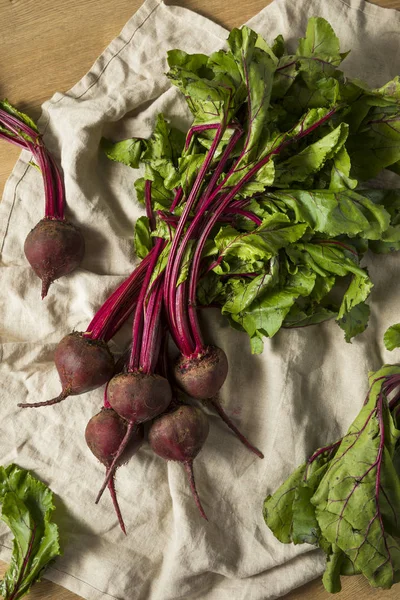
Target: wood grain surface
<point>48,46</point>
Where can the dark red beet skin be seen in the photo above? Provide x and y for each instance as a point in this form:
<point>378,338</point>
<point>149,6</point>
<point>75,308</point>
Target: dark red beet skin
<point>202,377</point>
<point>179,436</point>
<point>139,397</point>
<point>105,432</point>
<point>54,248</point>
<point>83,365</point>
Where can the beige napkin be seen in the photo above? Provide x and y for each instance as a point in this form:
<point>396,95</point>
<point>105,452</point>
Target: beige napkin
<point>304,390</point>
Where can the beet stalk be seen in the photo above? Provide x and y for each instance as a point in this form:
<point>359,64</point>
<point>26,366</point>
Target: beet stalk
<point>139,395</point>
<point>54,247</point>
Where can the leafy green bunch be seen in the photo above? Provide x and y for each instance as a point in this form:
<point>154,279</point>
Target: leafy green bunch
<point>273,167</point>
<point>345,498</point>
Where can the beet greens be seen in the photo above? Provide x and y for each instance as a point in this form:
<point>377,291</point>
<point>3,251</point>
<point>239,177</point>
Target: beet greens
<point>345,498</point>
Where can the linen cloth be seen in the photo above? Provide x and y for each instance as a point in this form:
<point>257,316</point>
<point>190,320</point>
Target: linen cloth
<point>304,389</point>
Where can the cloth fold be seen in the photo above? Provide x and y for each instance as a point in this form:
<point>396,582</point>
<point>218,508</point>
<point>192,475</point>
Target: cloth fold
<point>302,391</point>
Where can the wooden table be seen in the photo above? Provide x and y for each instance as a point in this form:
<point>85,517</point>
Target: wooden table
<point>48,46</point>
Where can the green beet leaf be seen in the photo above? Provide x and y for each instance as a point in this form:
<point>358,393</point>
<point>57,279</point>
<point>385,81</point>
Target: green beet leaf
<point>27,507</point>
<point>127,152</point>
<point>391,337</point>
<point>345,498</point>
<point>142,240</point>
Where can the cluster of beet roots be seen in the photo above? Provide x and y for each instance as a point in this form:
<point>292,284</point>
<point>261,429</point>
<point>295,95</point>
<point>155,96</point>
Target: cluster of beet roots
<point>143,386</point>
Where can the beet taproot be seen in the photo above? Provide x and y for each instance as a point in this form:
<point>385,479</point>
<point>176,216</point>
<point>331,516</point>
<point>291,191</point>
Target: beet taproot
<point>83,364</point>
<point>54,248</point>
<point>179,436</point>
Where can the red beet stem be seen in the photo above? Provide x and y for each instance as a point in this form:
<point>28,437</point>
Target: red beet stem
<point>137,329</point>
<point>116,309</point>
<point>189,470</point>
<point>111,487</point>
<point>152,329</point>
<point>149,208</point>
<point>64,394</point>
<point>111,470</point>
<point>172,269</point>
<point>222,206</point>
<point>233,427</point>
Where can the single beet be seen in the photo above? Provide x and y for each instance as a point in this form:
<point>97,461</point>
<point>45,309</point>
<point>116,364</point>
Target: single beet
<point>139,397</point>
<point>179,436</point>
<point>83,364</point>
<point>136,397</point>
<point>54,248</point>
<point>203,375</point>
<point>104,434</point>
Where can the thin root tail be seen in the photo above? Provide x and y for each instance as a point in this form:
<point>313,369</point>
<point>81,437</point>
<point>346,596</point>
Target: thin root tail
<point>189,470</point>
<point>64,394</point>
<point>111,470</point>
<point>216,404</point>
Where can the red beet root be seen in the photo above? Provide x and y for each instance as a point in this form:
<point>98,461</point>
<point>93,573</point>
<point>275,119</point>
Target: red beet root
<point>83,364</point>
<point>202,376</point>
<point>54,248</point>
<point>137,397</point>
<point>104,434</point>
<point>179,436</point>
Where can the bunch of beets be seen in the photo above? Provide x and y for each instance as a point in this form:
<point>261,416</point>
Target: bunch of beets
<point>255,209</point>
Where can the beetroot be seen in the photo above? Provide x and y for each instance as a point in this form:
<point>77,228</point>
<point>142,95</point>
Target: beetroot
<point>140,395</point>
<point>179,436</point>
<point>83,364</point>
<point>202,376</point>
<point>54,248</point>
<point>137,397</point>
<point>83,360</point>
<point>104,434</point>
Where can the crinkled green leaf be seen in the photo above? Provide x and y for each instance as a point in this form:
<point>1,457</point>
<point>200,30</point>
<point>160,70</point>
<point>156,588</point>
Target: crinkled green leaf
<point>260,244</point>
<point>240,293</point>
<point>344,212</point>
<point>391,337</point>
<point>11,110</point>
<point>326,258</point>
<point>268,311</point>
<point>311,316</point>
<point>142,239</point>
<point>311,159</point>
<point>351,508</point>
<point>355,321</point>
<point>357,292</point>
<point>340,175</point>
<point>376,144</point>
<point>127,152</point>
<point>345,497</point>
<point>27,507</point>
<point>257,69</point>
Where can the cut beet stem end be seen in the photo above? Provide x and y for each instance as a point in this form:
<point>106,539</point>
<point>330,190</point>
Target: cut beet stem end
<point>216,404</point>
<point>189,470</point>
